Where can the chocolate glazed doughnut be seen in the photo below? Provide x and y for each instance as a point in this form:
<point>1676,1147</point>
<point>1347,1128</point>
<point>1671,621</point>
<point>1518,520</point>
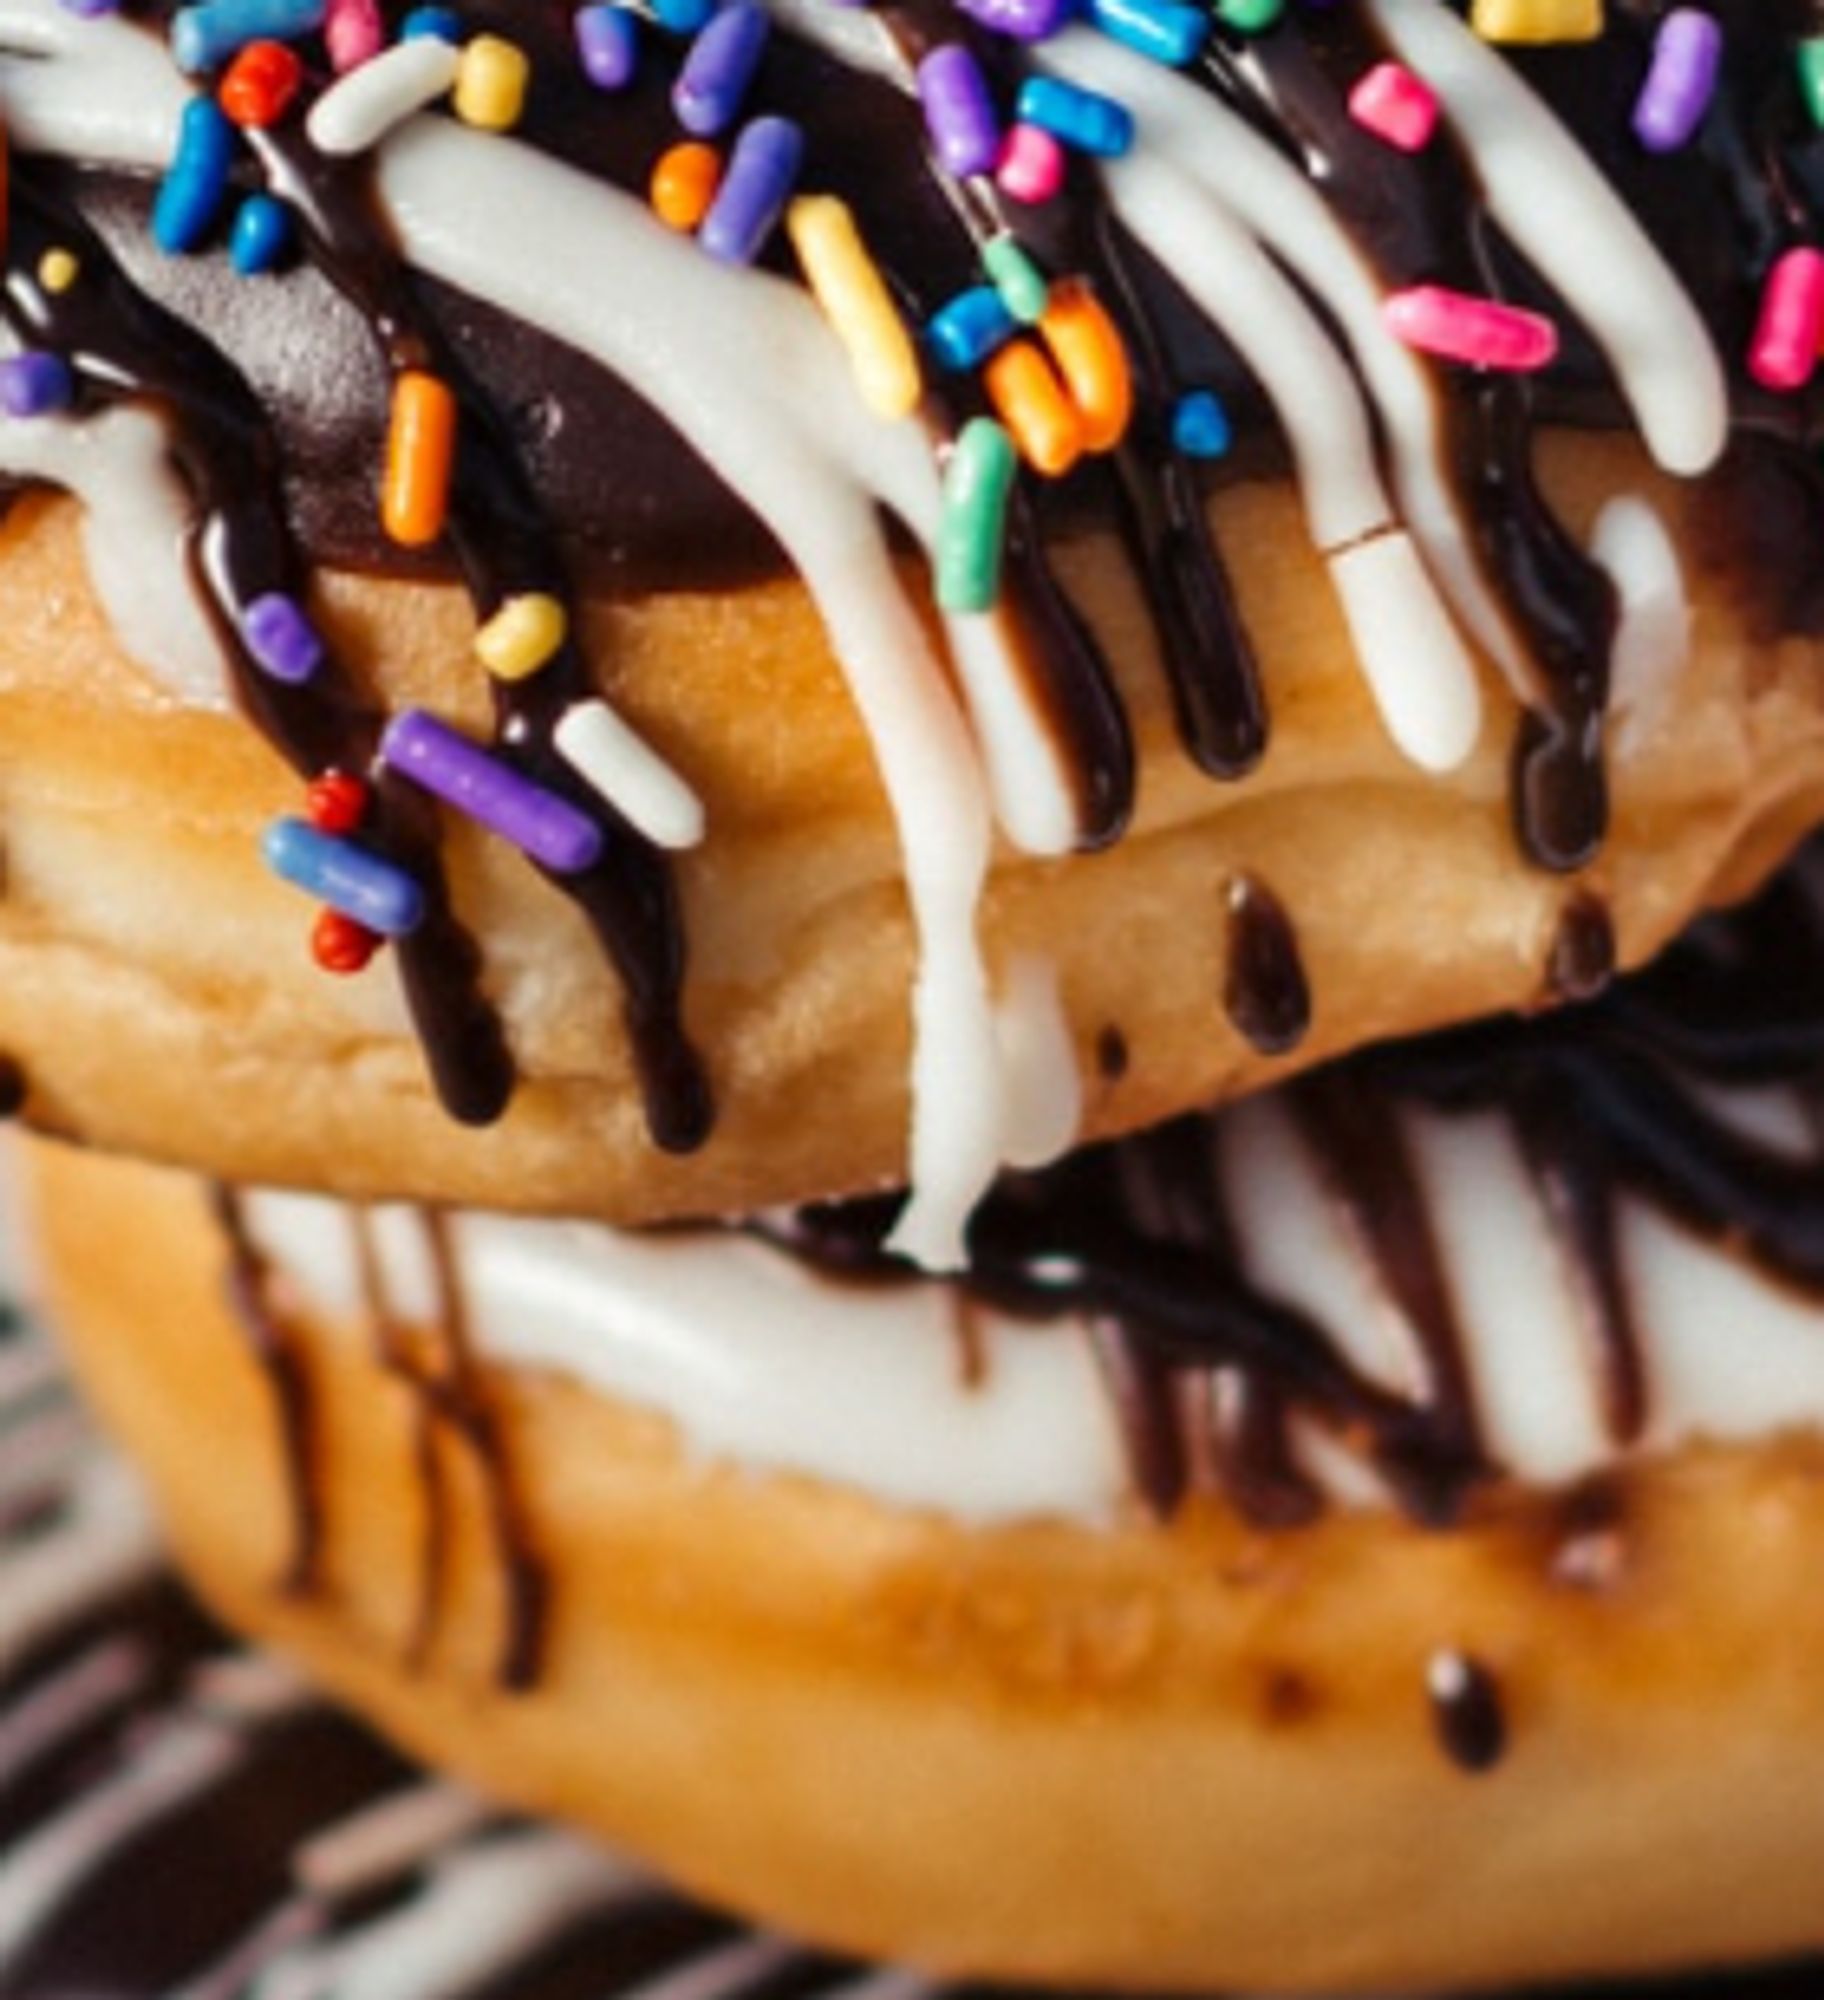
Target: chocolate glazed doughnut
<point>1434,1442</point>
<point>804,859</point>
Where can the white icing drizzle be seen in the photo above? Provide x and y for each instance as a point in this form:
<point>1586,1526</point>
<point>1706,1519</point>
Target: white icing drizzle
<point>1044,1084</point>
<point>1551,199</point>
<point>1653,638</point>
<point>98,1682</point>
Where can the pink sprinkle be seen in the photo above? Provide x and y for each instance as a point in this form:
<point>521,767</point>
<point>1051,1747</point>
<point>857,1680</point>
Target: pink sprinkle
<point>1483,333</point>
<point>1786,336</point>
<point>1031,166</point>
<point>354,33</point>
<point>1396,106</point>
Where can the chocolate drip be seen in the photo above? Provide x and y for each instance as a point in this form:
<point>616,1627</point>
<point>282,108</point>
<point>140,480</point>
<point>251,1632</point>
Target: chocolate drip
<point>1264,990</point>
<point>278,1352</point>
<point>1582,960</point>
<point>1466,1710</point>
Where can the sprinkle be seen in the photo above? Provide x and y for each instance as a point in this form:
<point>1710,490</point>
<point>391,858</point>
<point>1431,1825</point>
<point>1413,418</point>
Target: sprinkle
<point>1536,21</point>
<point>346,877</point>
<point>719,69</point>
<point>684,184</point>
<point>1024,20</point>
<point>491,79</point>
<point>354,33</point>
<point>195,187</point>
<point>608,45</point>
<point>337,802</point>
<point>1017,278</point>
<point>1680,81</point>
<point>1031,166</point>
<point>972,529</point>
<point>1081,118</point>
<point>1784,349</point>
<point>1480,332</point>
<point>58,270</point>
<point>1090,355</point>
<point>420,458</point>
<point>540,823</point>
<point>1809,58</point>
<point>358,110</point>
<point>1396,106</point>
<point>968,328</point>
<point>629,775</point>
<point>444,23</point>
<point>762,171</point>
<point>522,636</point>
<point>35,383</point>
<point>1200,425</point>
<point>281,638</point>
<point>261,235</point>
<point>959,112</point>
<point>205,37</point>
<point>90,10</point>
<point>682,17</point>
<point>847,284</point>
<point>260,84</point>
<point>1166,30</point>
<point>1030,400</point>
<point>1249,17</point>
<point>341,945</point>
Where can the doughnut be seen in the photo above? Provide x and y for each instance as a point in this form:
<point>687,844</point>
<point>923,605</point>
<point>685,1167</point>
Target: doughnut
<point>255,1833</point>
<point>1353,1540</point>
<point>953,542</point>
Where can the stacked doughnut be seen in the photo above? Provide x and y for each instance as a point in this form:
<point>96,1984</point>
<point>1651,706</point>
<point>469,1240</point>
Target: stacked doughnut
<point>679,686</point>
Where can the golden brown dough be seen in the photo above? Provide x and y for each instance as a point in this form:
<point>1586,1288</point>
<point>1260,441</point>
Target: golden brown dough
<point>1174,1758</point>
<point>156,986</point>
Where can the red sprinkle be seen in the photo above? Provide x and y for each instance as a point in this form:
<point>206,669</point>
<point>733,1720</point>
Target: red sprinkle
<point>341,945</point>
<point>337,802</point>
<point>261,81</point>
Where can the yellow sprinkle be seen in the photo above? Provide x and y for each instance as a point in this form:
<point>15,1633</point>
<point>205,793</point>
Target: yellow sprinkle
<point>58,270</point>
<point>521,636</point>
<point>1536,20</point>
<point>491,83</point>
<point>854,297</point>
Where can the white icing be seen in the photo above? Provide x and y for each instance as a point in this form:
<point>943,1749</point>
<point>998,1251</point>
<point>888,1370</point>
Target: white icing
<point>760,1362</point>
<point>1653,640</point>
<point>1044,1086</point>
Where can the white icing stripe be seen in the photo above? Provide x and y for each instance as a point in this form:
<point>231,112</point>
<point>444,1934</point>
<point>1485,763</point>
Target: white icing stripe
<point>876,1387</point>
<point>1653,639</point>
<point>136,523</point>
<point>1562,214</point>
<point>1044,1086</point>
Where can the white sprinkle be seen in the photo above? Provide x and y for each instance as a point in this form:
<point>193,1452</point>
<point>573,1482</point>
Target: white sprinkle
<point>630,775</point>
<point>361,108</point>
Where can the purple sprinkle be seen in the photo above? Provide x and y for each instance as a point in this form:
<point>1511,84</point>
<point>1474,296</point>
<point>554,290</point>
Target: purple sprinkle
<point>35,383</point>
<point>548,828</point>
<point>762,171</point>
<point>608,43</point>
<point>281,638</point>
<point>1680,81</point>
<point>719,69</point>
<point>1024,20</point>
<point>959,112</point>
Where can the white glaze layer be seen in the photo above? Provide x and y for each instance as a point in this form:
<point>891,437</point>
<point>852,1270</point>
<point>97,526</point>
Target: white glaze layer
<point>905,1393</point>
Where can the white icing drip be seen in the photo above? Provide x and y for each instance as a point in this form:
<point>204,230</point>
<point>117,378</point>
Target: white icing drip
<point>758,1361</point>
<point>136,523</point>
<point>1560,211</point>
<point>1653,639</point>
<point>1044,1086</point>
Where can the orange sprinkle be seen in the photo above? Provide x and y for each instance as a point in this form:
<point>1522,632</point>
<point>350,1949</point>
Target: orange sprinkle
<point>1030,400</point>
<point>1092,358</point>
<point>684,183</point>
<point>420,456</point>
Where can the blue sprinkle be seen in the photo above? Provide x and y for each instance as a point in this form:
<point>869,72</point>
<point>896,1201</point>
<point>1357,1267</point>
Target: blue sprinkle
<point>719,69</point>
<point>762,171</point>
<point>444,23</point>
<point>965,330</point>
<point>1201,426</point>
<point>1166,30</point>
<point>205,36</point>
<point>682,17</point>
<point>261,235</point>
<point>195,186</point>
<point>346,877</point>
<point>35,383</point>
<point>1084,119</point>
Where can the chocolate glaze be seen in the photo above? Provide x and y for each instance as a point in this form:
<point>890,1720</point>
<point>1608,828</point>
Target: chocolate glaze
<point>1467,1715</point>
<point>1264,991</point>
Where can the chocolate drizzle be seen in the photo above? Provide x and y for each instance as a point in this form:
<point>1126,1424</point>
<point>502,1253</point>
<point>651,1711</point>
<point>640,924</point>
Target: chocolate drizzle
<point>1264,989</point>
<point>1466,1710</point>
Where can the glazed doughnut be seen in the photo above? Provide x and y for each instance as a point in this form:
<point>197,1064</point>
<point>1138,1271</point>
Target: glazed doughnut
<point>1441,706</point>
<point>1359,1540</point>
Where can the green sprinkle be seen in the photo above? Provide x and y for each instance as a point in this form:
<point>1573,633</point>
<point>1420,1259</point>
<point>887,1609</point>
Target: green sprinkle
<point>1250,17</point>
<point>1018,279</point>
<point>972,530</point>
<point>1810,58</point>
